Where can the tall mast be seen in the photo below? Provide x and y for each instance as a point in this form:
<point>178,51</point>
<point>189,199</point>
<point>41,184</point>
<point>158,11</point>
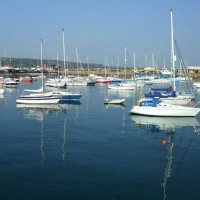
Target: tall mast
<point>118,66</point>
<point>63,36</point>
<point>172,49</point>
<point>134,63</point>
<point>125,60</point>
<point>41,63</point>
<point>58,66</point>
<point>105,67</point>
<point>77,59</point>
<point>88,66</point>
<point>145,60</point>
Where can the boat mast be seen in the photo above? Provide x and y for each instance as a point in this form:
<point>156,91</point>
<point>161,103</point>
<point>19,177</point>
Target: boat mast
<point>118,67</point>
<point>145,60</point>
<point>105,68</point>
<point>125,60</point>
<point>134,63</point>
<point>88,65</point>
<point>41,63</point>
<point>77,60</point>
<point>63,36</point>
<point>173,58</point>
<point>58,66</point>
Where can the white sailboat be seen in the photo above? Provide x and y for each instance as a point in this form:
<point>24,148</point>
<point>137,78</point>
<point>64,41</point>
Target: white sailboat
<point>10,82</point>
<point>156,107</point>
<point>38,96</point>
<point>125,84</point>
<point>104,79</point>
<point>61,92</point>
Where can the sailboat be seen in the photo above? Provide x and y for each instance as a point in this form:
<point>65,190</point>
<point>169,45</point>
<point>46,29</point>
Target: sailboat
<point>63,93</point>
<point>10,82</point>
<point>157,107</point>
<point>38,96</point>
<point>106,79</point>
<point>77,80</point>
<point>178,99</point>
<point>172,96</point>
<point>123,85</point>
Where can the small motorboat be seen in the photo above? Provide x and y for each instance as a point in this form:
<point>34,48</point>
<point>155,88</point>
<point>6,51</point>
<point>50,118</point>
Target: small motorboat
<point>27,79</point>
<point>114,101</point>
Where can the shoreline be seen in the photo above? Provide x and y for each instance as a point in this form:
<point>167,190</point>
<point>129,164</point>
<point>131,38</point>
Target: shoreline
<point>121,74</point>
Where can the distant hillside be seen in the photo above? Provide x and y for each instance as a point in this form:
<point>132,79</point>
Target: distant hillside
<point>27,62</point>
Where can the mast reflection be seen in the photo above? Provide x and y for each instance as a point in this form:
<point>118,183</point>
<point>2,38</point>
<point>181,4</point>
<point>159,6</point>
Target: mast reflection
<point>40,113</point>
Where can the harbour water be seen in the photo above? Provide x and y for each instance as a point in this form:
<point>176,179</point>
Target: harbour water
<point>92,151</point>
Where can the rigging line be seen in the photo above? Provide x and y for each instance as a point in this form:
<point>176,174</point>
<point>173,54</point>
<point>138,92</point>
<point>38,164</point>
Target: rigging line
<point>45,52</point>
<point>162,42</point>
<point>184,67</point>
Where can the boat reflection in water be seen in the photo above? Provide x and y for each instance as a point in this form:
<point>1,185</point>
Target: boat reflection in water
<point>1,100</point>
<point>1,96</point>
<point>168,126</point>
<point>41,112</point>
<point>168,168</point>
<point>156,124</point>
<point>122,106</point>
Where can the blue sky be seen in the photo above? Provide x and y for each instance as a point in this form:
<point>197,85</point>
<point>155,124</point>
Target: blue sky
<point>100,28</point>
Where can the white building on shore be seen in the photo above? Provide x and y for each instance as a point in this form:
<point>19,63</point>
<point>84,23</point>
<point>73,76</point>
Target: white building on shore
<point>193,69</point>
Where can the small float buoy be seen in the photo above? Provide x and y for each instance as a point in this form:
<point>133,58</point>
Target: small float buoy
<point>164,142</point>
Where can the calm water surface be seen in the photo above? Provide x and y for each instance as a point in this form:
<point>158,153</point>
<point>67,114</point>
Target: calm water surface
<point>90,151</point>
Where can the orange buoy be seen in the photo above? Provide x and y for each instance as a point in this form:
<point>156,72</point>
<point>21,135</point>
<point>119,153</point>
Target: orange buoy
<point>164,142</point>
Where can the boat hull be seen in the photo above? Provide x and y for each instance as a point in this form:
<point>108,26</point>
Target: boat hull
<point>37,99</point>
<point>66,96</point>
<point>76,83</point>
<point>11,84</point>
<point>165,111</point>
<point>27,80</point>
<point>121,87</point>
<point>103,81</point>
<point>72,97</point>
<point>2,90</point>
